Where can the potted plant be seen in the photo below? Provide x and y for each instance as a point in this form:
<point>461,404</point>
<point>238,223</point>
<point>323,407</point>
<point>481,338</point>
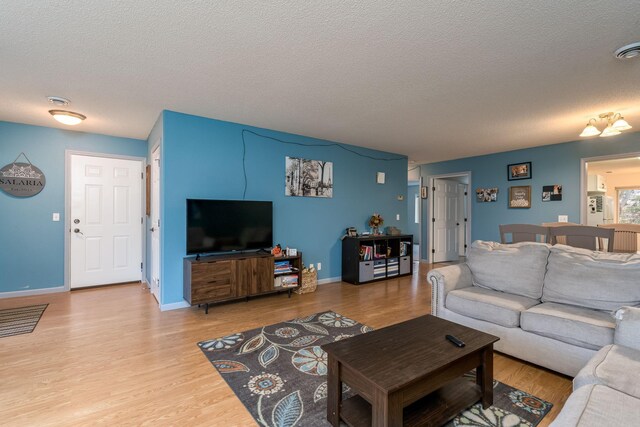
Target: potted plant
<point>375,222</point>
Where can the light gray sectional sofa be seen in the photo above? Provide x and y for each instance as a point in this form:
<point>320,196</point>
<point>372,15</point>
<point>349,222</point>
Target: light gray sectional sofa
<point>606,392</point>
<point>556,306</point>
<point>550,305</point>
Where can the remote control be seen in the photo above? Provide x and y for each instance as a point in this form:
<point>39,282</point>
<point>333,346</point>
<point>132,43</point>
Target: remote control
<point>456,341</point>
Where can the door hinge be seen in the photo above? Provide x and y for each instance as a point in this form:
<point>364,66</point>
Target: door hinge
<point>141,266</point>
<point>465,220</point>
<point>465,246</point>
<point>433,251</point>
<point>433,220</point>
<point>465,193</point>
<point>433,188</point>
<point>141,220</point>
<point>141,175</point>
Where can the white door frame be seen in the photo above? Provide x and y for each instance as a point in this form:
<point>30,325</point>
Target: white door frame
<point>67,206</point>
<point>584,178</point>
<point>157,146</point>
<point>430,200</point>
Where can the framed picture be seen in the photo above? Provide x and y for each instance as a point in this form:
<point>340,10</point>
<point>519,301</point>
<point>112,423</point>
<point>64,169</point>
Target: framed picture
<point>424,192</point>
<point>487,195</point>
<point>519,171</point>
<point>308,178</point>
<point>552,193</point>
<point>520,197</point>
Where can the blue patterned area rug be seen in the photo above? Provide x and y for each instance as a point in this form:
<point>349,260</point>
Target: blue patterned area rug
<point>279,373</point>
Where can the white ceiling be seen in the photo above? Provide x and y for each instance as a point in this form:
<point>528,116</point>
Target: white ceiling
<point>430,79</point>
<point>626,166</point>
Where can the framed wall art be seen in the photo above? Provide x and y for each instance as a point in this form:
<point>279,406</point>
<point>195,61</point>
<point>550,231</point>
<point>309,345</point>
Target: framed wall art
<point>520,197</point>
<point>518,171</point>
<point>487,195</point>
<point>552,193</point>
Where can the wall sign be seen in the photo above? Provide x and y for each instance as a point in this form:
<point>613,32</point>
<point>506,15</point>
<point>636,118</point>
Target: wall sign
<point>21,179</point>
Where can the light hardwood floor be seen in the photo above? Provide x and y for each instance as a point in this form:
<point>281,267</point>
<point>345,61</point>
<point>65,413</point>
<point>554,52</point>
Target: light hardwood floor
<point>108,356</point>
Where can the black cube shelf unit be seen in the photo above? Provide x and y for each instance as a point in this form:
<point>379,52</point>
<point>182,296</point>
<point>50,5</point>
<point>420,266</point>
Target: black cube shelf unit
<point>372,258</point>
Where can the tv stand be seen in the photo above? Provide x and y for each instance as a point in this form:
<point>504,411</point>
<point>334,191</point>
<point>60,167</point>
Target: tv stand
<point>229,277</point>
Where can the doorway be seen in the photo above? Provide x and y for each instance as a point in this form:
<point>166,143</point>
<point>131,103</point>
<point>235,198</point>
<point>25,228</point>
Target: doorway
<point>155,223</point>
<point>610,191</point>
<point>449,213</point>
<point>104,220</point>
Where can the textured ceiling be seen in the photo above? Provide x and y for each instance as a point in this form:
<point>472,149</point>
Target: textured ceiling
<point>617,167</point>
<point>431,79</point>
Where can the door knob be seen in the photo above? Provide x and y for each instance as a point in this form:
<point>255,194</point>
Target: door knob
<point>152,229</point>
<point>77,231</point>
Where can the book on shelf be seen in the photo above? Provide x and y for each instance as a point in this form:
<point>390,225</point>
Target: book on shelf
<point>404,248</point>
<point>366,253</point>
<point>290,281</point>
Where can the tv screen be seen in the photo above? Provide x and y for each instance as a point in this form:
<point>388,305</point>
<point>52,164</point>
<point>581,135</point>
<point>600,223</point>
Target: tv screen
<point>228,225</point>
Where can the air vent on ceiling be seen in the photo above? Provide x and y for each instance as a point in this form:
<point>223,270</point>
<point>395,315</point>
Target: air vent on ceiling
<point>629,51</point>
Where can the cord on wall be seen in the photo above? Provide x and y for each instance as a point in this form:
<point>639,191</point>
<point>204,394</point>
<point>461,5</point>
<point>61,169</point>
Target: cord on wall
<point>332,144</point>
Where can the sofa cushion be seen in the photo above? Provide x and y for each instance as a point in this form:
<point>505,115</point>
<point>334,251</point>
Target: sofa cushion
<point>516,268</point>
<point>598,406</point>
<point>615,366</point>
<point>598,280</point>
<point>574,325</point>
<point>492,306</point>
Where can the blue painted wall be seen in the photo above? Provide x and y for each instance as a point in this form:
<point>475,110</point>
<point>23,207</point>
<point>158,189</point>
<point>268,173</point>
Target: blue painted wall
<point>202,158</point>
<point>552,164</point>
<point>33,256</point>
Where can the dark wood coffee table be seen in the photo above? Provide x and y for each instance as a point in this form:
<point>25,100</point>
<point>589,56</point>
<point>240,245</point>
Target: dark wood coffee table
<point>409,374</point>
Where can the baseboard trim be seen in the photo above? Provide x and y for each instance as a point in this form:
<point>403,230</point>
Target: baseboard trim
<point>174,306</point>
<point>31,292</point>
<point>330,280</point>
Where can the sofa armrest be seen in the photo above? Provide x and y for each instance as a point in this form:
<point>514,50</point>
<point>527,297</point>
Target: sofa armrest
<point>444,280</point>
<point>628,327</point>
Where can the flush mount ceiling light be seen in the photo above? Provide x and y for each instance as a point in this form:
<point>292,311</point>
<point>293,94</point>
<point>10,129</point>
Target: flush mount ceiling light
<point>615,125</point>
<point>63,116</point>
<point>67,117</point>
<point>629,51</point>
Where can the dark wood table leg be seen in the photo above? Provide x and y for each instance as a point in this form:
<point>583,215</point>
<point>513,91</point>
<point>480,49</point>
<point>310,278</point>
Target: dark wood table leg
<point>484,377</point>
<point>334,392</point>
<point>386,410</point>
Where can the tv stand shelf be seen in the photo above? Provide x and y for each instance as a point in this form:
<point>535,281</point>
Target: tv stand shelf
<point>221,278</point>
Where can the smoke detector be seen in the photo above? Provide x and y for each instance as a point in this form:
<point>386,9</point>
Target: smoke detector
<point>58,101</point>
<point>629,51</point>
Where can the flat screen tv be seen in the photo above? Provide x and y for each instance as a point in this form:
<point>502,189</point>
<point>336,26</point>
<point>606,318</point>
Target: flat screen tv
<point>228,225</point>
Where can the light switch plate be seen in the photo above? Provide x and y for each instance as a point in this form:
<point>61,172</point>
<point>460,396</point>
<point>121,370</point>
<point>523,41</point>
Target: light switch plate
<point>563,218</point>
<point>397,217</point>
<point>55,216</point>
<point>380,177</point>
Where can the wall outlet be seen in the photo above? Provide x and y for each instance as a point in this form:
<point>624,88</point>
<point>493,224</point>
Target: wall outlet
<point>55,216</point>
<point>397,217</point>
<point>563,218</point>
<point>319,266</point>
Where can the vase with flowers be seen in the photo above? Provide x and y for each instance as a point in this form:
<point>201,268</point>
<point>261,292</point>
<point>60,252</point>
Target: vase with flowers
<point>375,222</point>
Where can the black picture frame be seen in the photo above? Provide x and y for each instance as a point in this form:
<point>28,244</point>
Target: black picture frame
<point>518,171</point>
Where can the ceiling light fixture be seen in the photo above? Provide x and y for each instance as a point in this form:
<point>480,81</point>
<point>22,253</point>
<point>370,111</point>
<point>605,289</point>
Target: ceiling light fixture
<point>615,125</point>
<point>67,117</point>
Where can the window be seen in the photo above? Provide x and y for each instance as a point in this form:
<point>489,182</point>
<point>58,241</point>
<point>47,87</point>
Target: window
<point>629,205</point>
<point>416,208</point>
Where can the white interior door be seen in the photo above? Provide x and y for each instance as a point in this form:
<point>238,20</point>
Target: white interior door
<point>446,207</point>
<point>155,223</point>
<point>105,221</point>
